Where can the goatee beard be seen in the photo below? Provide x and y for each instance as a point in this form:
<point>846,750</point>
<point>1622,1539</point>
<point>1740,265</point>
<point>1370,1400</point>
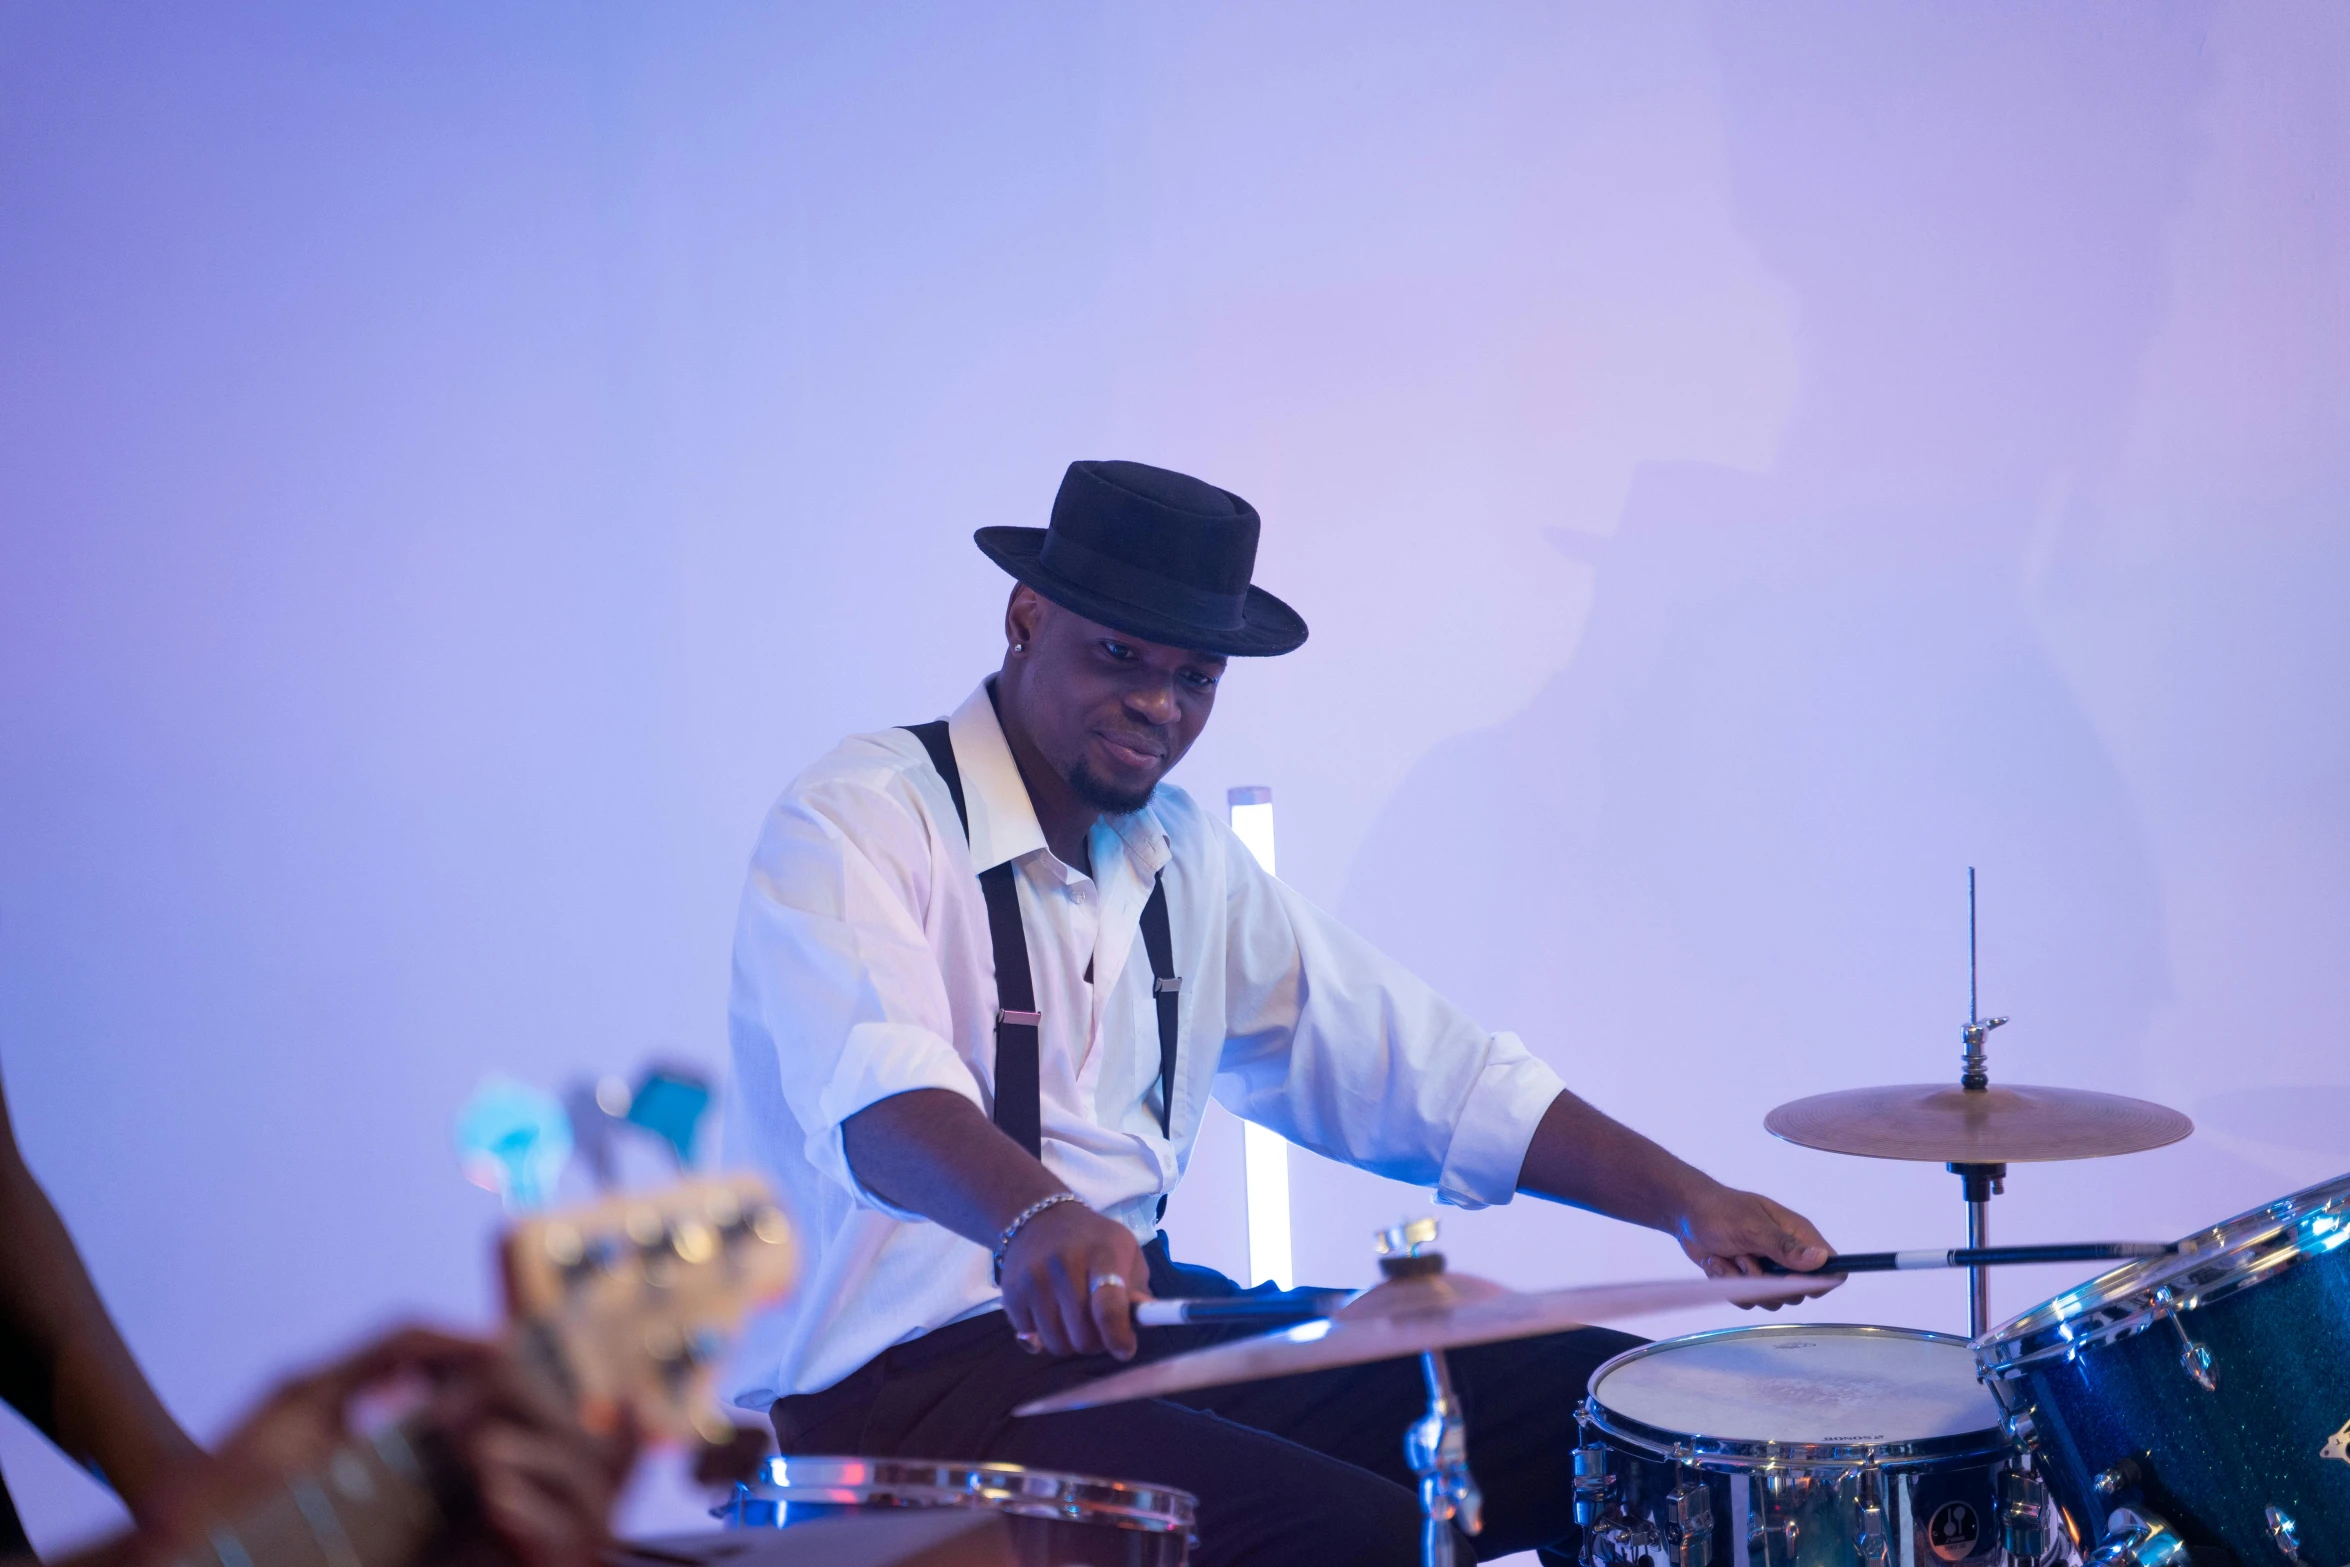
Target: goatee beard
<point>1106,797</point>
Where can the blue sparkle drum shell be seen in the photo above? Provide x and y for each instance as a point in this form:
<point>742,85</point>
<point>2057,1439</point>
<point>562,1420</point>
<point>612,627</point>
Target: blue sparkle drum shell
<point>1055,1520</point>
<point>2207,1392</point>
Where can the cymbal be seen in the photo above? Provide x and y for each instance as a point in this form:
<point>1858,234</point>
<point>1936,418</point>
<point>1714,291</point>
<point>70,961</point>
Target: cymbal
<point>1947,1124</point>
<point>1405,1317</point>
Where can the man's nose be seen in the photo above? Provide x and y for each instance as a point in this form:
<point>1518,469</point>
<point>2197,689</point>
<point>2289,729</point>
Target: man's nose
<point>1152,700</point>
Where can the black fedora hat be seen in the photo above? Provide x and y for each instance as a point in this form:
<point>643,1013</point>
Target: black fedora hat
<point>1155,554</point>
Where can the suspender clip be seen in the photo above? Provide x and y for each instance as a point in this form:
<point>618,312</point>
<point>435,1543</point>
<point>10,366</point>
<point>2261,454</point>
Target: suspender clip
<point>1168,986</point>
<point>1019,1019</point>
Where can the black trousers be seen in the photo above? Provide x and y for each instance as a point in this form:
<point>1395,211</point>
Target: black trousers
<point>1301,1470</point>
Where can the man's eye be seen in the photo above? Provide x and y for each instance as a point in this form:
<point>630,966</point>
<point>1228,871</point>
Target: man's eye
<point>1199,681</point>
<point>1119,651</point>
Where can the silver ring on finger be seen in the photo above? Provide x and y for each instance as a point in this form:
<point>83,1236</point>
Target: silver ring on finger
<point>1102,1281</point>
<point>1031,1342</point>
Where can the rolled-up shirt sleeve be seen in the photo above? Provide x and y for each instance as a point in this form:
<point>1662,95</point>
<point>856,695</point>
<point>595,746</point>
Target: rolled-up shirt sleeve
<point>832,965</point>
<point>1344,1051</point>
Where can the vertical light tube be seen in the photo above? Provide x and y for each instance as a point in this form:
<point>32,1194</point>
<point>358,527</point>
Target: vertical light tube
<point>1264,1155</point>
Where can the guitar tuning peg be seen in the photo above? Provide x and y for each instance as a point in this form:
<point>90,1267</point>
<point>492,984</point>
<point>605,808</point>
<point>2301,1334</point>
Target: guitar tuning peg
<point>564,1247</point>
<point>513,1140</point>
<point>693,1241</point>
<point>669,1101</point>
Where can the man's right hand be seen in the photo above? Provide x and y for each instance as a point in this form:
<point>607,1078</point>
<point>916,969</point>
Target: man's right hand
<point>936,1153</point>
<point>1050,1276</point>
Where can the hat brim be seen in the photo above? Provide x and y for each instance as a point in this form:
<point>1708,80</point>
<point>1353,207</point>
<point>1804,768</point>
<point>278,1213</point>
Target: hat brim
<point>1268,626</point>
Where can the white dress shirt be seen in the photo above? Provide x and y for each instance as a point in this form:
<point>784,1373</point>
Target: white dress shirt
<point>862,969</point>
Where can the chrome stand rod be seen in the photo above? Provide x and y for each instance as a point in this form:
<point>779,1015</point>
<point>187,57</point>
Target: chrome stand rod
<point>1981,1182</point>
<point>1978,1283</point>
<point>1437,1447</point>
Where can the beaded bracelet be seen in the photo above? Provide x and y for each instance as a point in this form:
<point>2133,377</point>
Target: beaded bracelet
<point>1003,1242</point>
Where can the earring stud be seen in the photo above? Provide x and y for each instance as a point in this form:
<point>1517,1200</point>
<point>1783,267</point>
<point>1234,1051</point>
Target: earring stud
<point>1019,647</point>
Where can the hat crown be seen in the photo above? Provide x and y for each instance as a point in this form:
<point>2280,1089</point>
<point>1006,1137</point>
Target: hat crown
<point>1154,520</point>
<point>1153,554</point>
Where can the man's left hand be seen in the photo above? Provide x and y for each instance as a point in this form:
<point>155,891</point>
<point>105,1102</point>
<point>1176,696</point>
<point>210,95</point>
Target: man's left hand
<point>1725,1230</point>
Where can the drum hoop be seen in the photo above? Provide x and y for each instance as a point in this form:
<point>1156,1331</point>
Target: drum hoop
<point>1015,1489</point>
<point>2210,1265</point>
<point>1737,1454</point>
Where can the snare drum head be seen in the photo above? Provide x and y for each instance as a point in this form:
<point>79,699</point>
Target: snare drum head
<point>1801,1385</point>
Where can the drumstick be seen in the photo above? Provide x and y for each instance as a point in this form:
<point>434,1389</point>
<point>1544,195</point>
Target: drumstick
<point>1978,1257</point>
<point>1287,1306</point>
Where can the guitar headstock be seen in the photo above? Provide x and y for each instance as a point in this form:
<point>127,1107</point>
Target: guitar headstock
<point>638,1296</point>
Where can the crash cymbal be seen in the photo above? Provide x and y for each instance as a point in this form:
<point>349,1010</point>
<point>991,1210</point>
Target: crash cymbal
<point>1404,1317</point>
<point>1946,1124</point>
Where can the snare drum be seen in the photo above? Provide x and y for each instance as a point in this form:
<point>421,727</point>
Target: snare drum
<point>1788,1445</point>
<point>2200,1400</point>
<point>1057,1520</point>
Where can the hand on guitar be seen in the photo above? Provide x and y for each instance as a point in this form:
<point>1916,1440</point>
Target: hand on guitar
<point>515,1478</point>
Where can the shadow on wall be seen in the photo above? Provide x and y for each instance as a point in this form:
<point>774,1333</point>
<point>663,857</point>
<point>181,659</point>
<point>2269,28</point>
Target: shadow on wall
<point>2305,1117</point>
<point>1720,860</point>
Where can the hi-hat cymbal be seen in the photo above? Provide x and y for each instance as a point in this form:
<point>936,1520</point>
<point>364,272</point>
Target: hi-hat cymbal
<point>1407,1316</point>
<point>1947,1124</point>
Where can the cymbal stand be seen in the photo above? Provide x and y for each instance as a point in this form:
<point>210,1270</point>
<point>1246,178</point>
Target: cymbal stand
<point>1437,1448</point>
<point>1979,1182</point>
<point>1437,1444</point>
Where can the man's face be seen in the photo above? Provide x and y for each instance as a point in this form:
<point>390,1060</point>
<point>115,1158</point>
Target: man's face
<point>1109,713</point>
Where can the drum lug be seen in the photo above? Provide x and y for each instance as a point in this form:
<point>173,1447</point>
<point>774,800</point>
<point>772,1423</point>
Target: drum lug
<point>1594,1486</point>
<point>2139,1540</point>
<point>1689,1524</point>
<point>1874,1544</point>
<point>2284,1531</point>
<point>2194,1359</point>
<point>2023,1514</point>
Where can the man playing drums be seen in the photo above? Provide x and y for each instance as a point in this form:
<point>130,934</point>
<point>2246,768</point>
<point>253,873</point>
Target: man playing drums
<point>988,973</point>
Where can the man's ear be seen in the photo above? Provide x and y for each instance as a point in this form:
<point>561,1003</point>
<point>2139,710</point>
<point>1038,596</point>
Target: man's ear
<point>1023,615</point>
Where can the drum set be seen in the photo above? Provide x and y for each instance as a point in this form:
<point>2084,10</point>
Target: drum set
<point>2188,1408</point>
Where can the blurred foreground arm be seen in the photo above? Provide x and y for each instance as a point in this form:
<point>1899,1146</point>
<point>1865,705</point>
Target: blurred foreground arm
<point>77,1380</point>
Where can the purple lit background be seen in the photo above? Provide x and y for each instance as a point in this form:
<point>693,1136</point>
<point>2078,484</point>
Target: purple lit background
<point>1742,466</point>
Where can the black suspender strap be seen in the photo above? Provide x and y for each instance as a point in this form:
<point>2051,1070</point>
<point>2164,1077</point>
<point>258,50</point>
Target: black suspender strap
<point>1018,1093</point>
<point>1019,1098</point>
<point>1166,990</point>
<point>933,736</point>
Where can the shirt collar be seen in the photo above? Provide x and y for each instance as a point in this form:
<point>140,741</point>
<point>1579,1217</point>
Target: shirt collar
<point>1003,818</point>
